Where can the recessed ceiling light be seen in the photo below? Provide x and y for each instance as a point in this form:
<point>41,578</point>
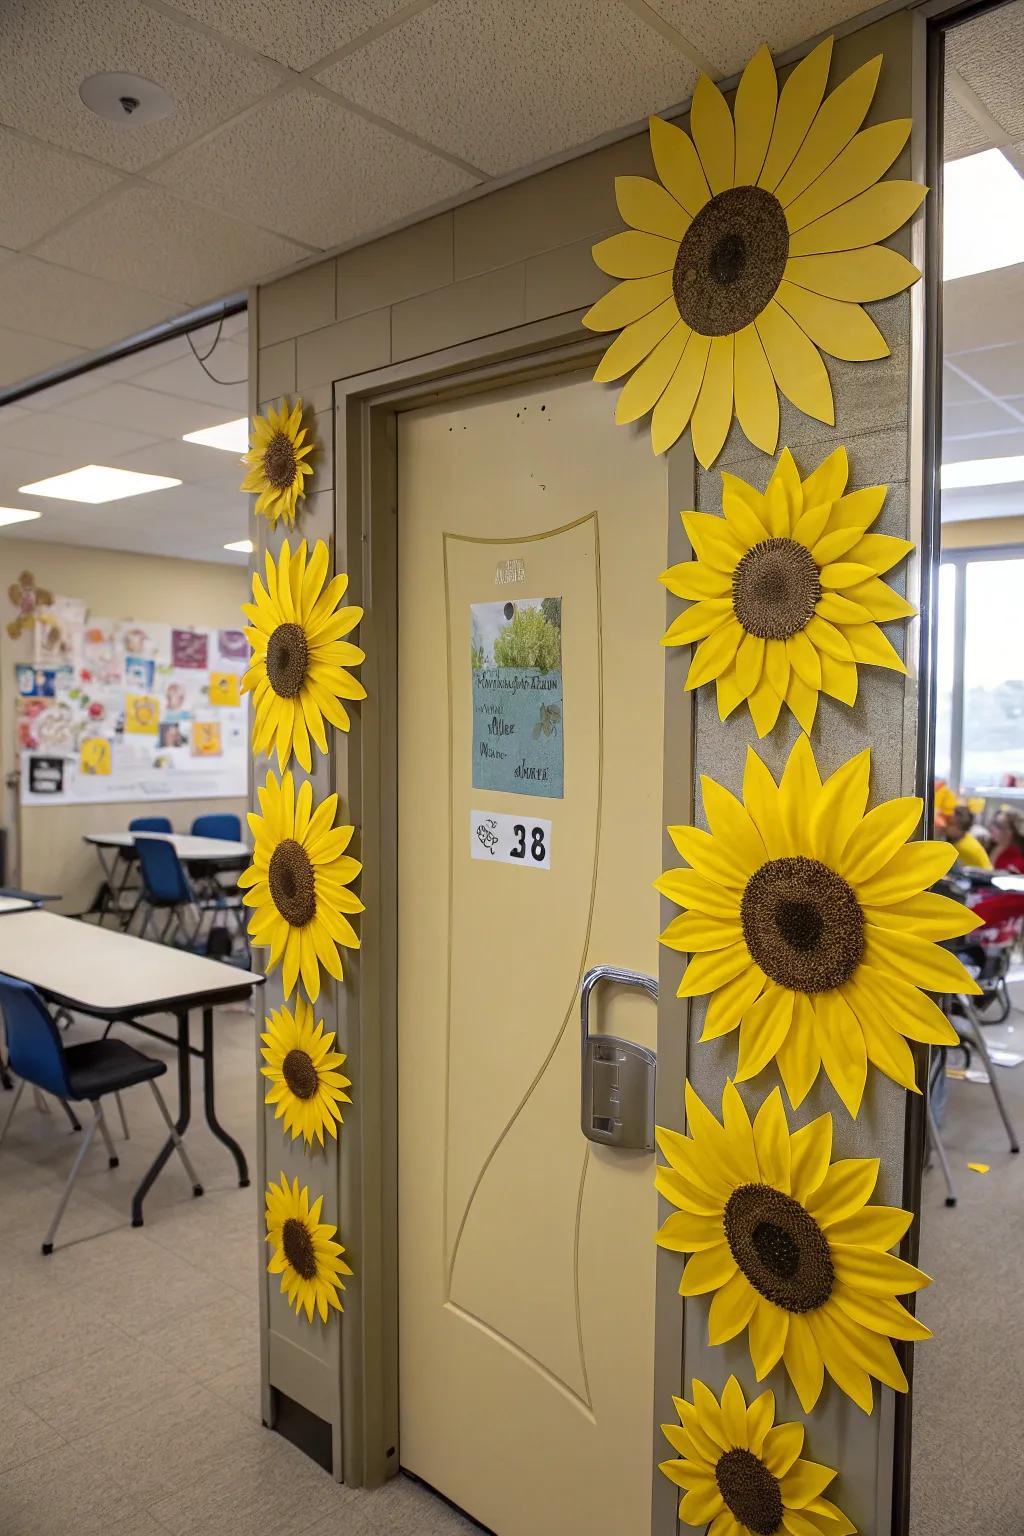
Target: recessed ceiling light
<point>16,515</point>
<point>982,214</point>
<point>232,436</point>
<point>122,98</point>
<point>970,472</point>
<point>241,546</point>
<point>97,482</point>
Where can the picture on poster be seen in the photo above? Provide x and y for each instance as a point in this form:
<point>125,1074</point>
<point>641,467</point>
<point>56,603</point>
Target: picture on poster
<point>101,652</point>
<point>139,672</point>
<point>225,689</point>
<point>141,714</point>
<point>41,682</point>
<point>233,646</point>
<point>46,775</point>
<point>94,755</point>
<point>206,738</point>
<point>190,648</point>
<point>516,663</point>
<point>173,733</point>
<point>59,633</point>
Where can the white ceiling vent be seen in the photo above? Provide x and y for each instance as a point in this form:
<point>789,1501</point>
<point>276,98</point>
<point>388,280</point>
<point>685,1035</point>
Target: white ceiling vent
<point>125,98</point>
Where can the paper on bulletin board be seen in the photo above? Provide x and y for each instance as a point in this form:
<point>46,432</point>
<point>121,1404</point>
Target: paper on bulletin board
<point>516,662</point>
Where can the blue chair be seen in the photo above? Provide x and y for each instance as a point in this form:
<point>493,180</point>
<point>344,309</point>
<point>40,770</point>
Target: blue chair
<point>222,824</point>
<point>165,887</point>
<point>150,824</point>
<point>75,1072</point>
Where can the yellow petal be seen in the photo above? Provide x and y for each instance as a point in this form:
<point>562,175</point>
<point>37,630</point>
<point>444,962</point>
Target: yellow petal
<point>771,1140</point>
<point>628,301</point>
<point>713,135</point>
<point>678,165</point>
<point>706,972</point>
<point>846,1188</point>
<point>799,100</point>
<point>803,1362</point>
<point>698,622</point>
<point>673,411</point>
<point>766,1338</point>
<point>642,390</point>
<point>707,1271</point>
<point>636,342</point>
<point>714,654</point>
<point>798,1057</point>
<point>731,1310</point>
<point>713,412</point>
<point>647,206</point>
<point>730,822</point>
<point>730,1003</point>
<point>863,162</point>
<point>757,400</point>
<point>882,831</point>
<point>757,96</point>
<point>635,254</point>
<point>918,961</point>
<point>795,364</point>
<point>762,1029</point>
<point>911,869</point>
<point>840,116</point>
<point>710,860</point>
<point>841,330</point>
<point>765,703</point>
<point>861,276</point>
<point>694,580</point>
<point>864,220</point>
<point>839,810</point>
<point>841,1043</point>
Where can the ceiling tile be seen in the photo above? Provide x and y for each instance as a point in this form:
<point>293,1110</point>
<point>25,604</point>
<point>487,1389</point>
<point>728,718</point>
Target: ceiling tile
<point>57,396</point>
<point>90,442</point>
<point>51,46</point>
<point>1010,446</point>
<point>189,462</point>
<point>962,134</point>
<point>21,466</point>
<point>975,309</point>
<point>955,389</point>
<point>74,308</point>
<point>22,357</point>
<point>184,377</point>
<point>155,415</point>
<point>728,32</point>
<point>40,187</point>
<point>988,52</point>
<point>501,86</point>
<point>365,176</point>
<point>981,419</point>
<point>297,34</point>
<point>146,236</point>
<point>999,369</point>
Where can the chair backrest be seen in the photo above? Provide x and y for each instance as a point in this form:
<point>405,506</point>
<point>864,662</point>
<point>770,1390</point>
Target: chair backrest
<point>33,1039</point>
<point>223,824</point>
<point>163,878</point>
<point>150,824</point>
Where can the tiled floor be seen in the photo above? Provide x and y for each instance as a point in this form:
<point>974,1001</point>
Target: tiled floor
<point>129,1375</point>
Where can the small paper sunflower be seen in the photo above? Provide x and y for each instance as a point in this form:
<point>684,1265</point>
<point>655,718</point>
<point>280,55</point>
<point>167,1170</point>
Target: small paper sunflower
<point>303,1068</point>
<point>298,884</point>
<point>811,926</point>
<point>743,1473</point>
<point>300,657</point>
<point>305,1254</point>
<point>753,254</point>
<point>787,592</point>
<point>785,1240</point>
<point>277,462</point>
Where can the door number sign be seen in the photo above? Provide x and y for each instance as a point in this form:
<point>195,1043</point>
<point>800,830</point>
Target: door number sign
<point>522,840</point>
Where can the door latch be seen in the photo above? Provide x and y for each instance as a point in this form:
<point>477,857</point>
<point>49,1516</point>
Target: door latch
<point>617,1076</point>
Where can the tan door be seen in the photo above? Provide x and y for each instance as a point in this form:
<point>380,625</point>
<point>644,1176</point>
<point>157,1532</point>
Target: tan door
<point>527,1253</point>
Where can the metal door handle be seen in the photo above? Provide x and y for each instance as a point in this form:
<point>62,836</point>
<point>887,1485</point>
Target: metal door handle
<point>617,1076</point>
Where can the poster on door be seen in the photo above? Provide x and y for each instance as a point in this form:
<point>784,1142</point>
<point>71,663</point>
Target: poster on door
<point>516,663</point>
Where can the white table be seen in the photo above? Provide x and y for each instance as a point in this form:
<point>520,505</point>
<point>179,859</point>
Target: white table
<point>112,847</point>
<point>119,978</point>
<point>15,904</point>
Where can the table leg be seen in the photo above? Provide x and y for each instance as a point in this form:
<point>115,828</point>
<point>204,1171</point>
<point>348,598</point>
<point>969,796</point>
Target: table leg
<point>210,1106</point>
<point>180,1125</point>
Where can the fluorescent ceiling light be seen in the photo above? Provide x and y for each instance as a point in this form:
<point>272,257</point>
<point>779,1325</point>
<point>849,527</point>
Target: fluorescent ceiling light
<point>983,214</point>
<point>232,436</point>
<point>971,472</point>
<point>16,515</point>
<point>240,546</point>
<point>97,482</point>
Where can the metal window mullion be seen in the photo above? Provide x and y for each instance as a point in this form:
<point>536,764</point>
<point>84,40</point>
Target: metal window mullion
<point>956,719</point>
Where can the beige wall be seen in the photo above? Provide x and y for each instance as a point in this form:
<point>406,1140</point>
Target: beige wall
<point>120,586</point>
<point>984,533</point>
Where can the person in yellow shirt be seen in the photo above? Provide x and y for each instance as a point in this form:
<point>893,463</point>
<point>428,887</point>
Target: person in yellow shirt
<point>968,848</point>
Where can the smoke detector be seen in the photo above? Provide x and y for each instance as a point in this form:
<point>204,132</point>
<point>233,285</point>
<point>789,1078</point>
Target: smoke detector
<point>125,98</point>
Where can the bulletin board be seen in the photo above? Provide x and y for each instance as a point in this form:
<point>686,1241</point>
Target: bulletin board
<point>114,710</point>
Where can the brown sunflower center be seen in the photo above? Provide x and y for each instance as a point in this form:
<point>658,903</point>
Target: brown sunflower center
<point>298,1247</point>
<point>750,1490</point>
<point>802,924</point>
<point>779,1247</point>
<point>731,260</point>
<point>279,461</point>
<point>287,660</point>
<point>300,1074</point>
<point>292,884</point>
<point>775,589</point>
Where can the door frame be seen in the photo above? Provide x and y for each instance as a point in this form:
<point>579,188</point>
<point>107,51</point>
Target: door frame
<point>366,411</point>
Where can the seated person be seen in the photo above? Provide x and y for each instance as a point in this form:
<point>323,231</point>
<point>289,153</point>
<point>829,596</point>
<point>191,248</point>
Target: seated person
<point>1007,830</point>
<point>969,849</point>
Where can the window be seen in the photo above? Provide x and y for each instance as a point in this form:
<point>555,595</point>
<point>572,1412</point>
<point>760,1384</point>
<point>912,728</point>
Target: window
<point>979,723</point>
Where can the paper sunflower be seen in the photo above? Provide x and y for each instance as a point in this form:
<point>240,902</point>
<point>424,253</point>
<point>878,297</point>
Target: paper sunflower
<point>743,1473</point>
<point>298,674</point>
<point>788,1245</point>
<point>811,925</point>
<point>303,1068</point>
<point>297,884</point>
<point>787,592</point>
<point>277,462</point>
<point>305,1254</point>
<point>755,249</point>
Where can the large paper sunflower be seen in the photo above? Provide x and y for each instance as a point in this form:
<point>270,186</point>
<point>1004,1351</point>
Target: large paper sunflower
<point>298,674</point>
<point>298,884</point>
<point>305,1254</point>
<point>755,249</point>
<point>811,925</point>
<point>277,462</point>
<point>303,1069</point>
<point>743,1473</point>
<point>787,592</point>
<point>785,1240</point>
